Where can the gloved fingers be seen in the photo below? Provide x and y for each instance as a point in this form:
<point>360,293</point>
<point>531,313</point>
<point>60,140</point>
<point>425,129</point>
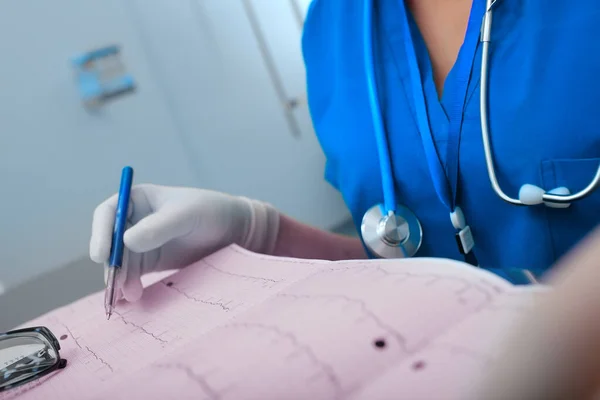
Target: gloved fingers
<point>132,289</point>
<point>102,229</point>
<point>156,229</point>
<point>130,280</point>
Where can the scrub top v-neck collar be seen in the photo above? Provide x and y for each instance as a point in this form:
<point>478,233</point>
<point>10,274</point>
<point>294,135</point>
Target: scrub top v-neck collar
<point>437,107</point>
<point>433,116</point>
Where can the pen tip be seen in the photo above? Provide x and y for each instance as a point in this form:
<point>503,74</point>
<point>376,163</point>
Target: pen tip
<point>107,316</point>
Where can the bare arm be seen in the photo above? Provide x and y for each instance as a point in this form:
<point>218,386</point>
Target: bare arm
<point>555,352</point>
<point>298,240</point>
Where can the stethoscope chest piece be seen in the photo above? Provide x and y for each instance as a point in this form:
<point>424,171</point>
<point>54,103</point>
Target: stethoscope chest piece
<point>393,235</point>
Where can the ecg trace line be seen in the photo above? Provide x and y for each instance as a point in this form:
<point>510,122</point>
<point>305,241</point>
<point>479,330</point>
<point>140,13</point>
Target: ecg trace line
<point>255,278</point>
<point>468,284</point>
<point>397,335</point>
<point>99,358</point>
<point>221,305</point>
<point>427,342</point>
<point>326,368</point>
<point>334,267</point>
<point>90,351</point>
<point>72,336</point>
<point>433,279</point>
<point>200,380</point>
<point>407,275</point>
<point>141,328</point>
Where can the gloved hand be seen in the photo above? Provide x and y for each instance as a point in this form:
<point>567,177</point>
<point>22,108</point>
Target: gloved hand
<point>172,227</point>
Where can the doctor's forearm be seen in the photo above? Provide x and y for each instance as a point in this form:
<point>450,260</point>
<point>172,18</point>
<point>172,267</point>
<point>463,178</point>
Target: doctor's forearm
<point>554,352</point>
<point>298,240</point>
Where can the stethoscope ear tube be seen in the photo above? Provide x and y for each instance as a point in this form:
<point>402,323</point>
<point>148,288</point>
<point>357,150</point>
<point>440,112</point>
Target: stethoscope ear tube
<point>553,198</point>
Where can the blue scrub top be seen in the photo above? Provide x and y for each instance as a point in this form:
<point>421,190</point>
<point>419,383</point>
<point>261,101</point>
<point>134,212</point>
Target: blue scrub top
<point>544,112</point>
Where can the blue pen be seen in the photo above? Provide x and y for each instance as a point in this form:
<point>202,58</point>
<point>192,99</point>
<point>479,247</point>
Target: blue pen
<point>117,247</point>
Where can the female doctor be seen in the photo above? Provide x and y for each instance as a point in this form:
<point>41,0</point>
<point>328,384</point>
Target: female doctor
<point>448,134</point>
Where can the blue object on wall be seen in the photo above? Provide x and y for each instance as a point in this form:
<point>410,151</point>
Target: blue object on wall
<point>102,76</point>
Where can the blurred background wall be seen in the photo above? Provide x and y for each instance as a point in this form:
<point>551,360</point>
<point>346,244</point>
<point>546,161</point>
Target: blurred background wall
<point>219,104</point>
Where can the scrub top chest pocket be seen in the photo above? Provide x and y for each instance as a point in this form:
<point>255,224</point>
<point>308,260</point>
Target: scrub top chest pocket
<point>568,226</point>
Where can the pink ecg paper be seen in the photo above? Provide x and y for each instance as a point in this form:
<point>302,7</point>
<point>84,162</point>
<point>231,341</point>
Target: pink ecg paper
<point>238,325</point>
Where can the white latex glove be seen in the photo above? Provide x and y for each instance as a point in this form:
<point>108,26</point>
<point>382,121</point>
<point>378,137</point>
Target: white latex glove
<point>172,227</point>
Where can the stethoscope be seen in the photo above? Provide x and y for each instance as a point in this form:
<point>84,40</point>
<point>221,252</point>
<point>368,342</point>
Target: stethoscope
<point>391,230</point>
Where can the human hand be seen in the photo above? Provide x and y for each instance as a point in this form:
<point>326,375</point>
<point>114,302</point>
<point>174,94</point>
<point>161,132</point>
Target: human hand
<point>172,227</point>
